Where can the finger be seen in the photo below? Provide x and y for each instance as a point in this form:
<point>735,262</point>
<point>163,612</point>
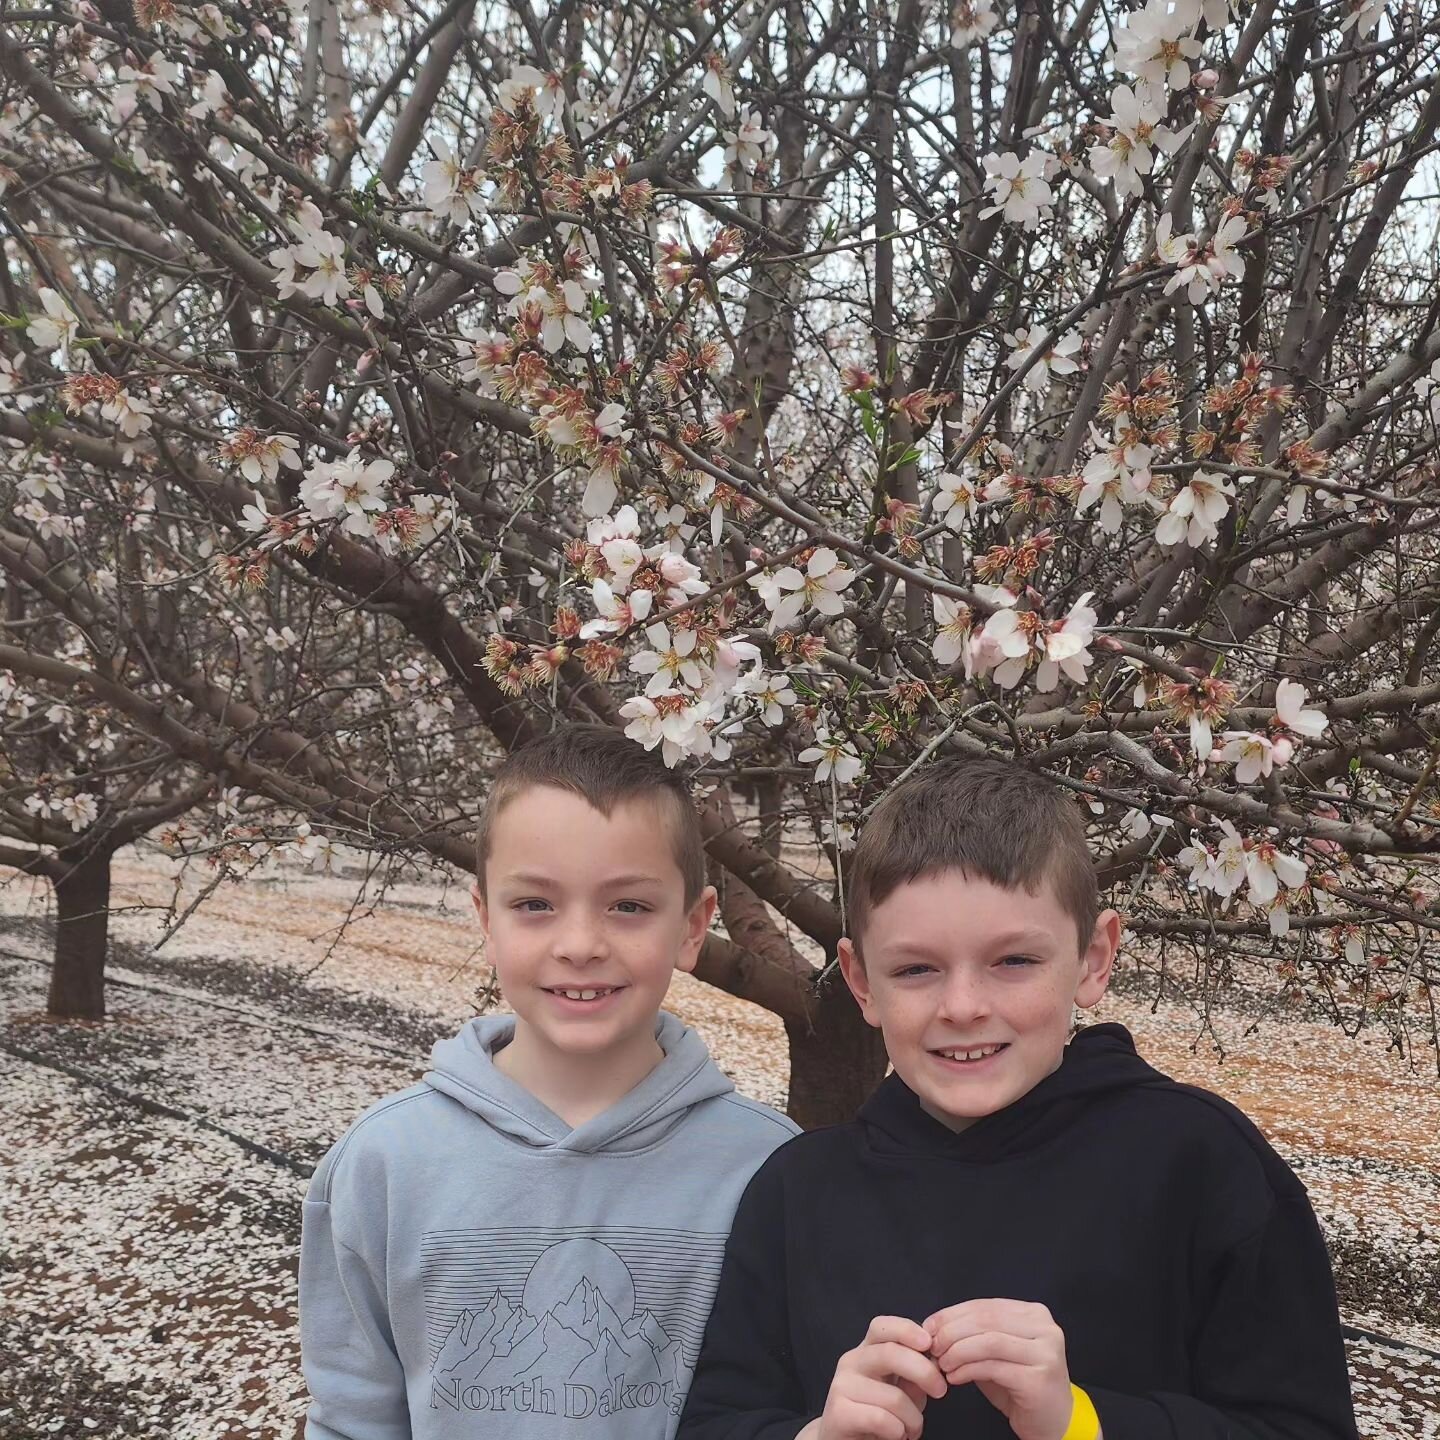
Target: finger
<point>862,1422</point>
<point>1004,1373</point>
<point>1015,1317</point>
<point>888,1399</point>
<point>917,1396</point>
<point>994,1345</point>
<point>897,1329</point>
<point>881,1362</point>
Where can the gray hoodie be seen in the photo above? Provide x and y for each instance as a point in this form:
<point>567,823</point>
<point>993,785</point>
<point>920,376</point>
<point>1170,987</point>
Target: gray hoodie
<point>472,1267</point>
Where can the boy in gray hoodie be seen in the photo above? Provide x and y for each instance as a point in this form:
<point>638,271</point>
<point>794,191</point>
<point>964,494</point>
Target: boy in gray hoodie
<point>527,1243</point>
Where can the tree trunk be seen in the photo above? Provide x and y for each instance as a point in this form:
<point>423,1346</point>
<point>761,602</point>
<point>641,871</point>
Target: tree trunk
<point>836,1060</point>
<point>82,900</point>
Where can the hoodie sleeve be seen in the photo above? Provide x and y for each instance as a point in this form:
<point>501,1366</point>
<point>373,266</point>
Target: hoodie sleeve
<point>746,1386</point>
<point>1269,1361</point>
<point>356,1380</point>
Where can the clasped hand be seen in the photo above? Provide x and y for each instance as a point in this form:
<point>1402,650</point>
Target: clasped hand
<point>1012,1350</point>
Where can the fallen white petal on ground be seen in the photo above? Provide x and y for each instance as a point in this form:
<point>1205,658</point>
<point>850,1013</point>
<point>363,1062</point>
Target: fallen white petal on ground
<point>151,1265</point>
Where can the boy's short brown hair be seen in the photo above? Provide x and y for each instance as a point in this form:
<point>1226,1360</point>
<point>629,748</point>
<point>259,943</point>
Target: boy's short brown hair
<point>603,767</point>
<point>990,818</point>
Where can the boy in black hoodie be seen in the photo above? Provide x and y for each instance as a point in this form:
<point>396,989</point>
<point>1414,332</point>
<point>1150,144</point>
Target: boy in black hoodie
<point>1017,1237</point>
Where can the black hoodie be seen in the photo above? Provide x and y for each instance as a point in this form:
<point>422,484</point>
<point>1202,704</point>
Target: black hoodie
<point>1174,1248</point>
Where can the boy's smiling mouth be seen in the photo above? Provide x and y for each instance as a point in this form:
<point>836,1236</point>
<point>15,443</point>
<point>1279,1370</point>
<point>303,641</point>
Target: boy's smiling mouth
<point>969,1054</point>
<point>587,995</point>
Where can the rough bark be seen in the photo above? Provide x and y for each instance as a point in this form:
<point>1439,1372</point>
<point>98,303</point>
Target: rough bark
<point>82,902</point>
<point>836,1059</point>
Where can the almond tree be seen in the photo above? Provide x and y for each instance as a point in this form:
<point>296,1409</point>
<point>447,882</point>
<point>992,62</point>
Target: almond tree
<point>811,391</point>
<point>76,790</point>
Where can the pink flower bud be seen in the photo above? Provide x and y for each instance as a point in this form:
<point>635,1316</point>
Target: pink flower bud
<point>1206,79</point>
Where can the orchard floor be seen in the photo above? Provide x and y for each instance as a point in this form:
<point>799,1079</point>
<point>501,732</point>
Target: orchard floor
<point>153,1165</point>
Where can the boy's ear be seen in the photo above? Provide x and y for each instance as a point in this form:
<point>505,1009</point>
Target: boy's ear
<point>853,969</point>
<point>697,927</point>
<point>1098,959</point>
<point>482,909</point>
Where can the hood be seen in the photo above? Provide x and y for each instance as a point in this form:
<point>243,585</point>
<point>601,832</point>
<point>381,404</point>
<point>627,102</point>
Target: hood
<point>464,1069</point>
<point>1100,1059</point>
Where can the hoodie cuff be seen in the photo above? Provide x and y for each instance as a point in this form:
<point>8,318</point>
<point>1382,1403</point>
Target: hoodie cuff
<point>1129,1417</point>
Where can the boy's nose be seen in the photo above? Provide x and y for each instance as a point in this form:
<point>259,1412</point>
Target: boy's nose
<point>962,999</point>
<point>580,944</point>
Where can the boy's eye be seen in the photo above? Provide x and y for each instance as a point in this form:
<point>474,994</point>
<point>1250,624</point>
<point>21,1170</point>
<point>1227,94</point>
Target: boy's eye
<point>632,907</point>
<point>1017,961</point>
<point>912,970</point>
<point>531,907</point>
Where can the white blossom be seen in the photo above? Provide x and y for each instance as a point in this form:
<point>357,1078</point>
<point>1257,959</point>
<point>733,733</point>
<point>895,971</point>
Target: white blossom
<point>1267,868</point>
<point>1018,187</point>
<point>665,720</point>
<point>1136,133</point>
<point>1290,698</point>
<point>819,588</point>
<point>717,86</point>
<point>1001,645</point>
<point>1056,360</point>
<point>1155,44</point>
<point>130,412</point>
<point>79,810</point>
<point>1117,476</point>
<point>671,662</point>
<point>316,251</point>
<point>525,80</point>
<point>972,20</point>
<point>213,96</point>
<point>833,756</point>
<point>55,330</point>
<point>451,191</point>
<point>1067,647</point>
<point>771,693</point>
<point>564,310</point>
<point>145,83</point>
<point>953,621</point>
<point>615,614</point>
<point>749,144</point>
<point>1195,511</point>
<point>1253,755</point>
<point>41,484</point>
<point>956,500</point>
<point>1201,269</point>
<point>351,490</point>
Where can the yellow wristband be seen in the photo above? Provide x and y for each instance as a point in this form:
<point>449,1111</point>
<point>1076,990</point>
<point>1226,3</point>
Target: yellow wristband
<point>1084,1422</point>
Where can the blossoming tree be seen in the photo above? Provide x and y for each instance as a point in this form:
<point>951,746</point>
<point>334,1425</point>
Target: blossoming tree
<point>811,391</point>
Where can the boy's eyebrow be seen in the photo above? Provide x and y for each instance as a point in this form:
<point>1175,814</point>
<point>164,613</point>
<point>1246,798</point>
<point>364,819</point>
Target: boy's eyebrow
<point>531,878</point>
<point>1023,939</point>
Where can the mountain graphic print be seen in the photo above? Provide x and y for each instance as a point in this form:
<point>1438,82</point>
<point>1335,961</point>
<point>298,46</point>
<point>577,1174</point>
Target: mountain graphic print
<point>567,1325</point>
